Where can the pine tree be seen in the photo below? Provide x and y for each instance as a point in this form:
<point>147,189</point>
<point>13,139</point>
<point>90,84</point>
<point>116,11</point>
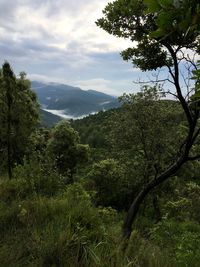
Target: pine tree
<point>18,117</point>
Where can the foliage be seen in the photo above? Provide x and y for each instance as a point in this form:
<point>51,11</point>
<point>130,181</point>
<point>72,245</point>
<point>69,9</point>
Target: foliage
<point>162,32</point>
<point>53,231</point>
<point>141,129</point>
<point>181,241</point>
<point>153,25</point>
<point>108,178</point>
<point>64,148</point>
<point>66,230</point>
<point>44,222</point>
<point>48,119</point>
<point>93,129</point>
<point>18,117</point>
<point>196,77</point>
<point>46,219</point>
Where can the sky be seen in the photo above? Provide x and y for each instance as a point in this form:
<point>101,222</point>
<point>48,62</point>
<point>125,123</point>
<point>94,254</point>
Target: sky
<point>58,41</point>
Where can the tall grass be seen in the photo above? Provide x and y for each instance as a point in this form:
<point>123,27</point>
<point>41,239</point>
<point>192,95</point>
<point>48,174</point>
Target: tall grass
<point>64,229</point>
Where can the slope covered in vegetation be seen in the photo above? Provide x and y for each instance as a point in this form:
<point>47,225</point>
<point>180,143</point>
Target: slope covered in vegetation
<point>120,188</point>
<point>50,219</point>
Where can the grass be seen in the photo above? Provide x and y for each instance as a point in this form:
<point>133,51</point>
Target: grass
<point>65,229</point>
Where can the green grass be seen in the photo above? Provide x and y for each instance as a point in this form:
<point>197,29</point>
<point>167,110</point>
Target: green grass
<point>65,229</point>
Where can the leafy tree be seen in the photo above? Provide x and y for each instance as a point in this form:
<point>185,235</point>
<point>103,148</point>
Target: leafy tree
<point>108,178</point>
<point>141,128</point>
<point>18,116</point>
<point>65,149</point>
<point>164,32</point>
<point>141,139</point>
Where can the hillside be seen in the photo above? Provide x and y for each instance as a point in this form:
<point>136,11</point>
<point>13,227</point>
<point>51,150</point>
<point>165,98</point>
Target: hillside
<point>72,101</point>
<point>48,119</point>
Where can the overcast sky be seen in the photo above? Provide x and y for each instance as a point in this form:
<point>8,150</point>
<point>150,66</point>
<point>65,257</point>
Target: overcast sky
<point>57,40</point>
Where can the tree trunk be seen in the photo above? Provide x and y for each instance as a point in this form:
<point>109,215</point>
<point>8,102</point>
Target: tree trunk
<point>9,155</point>
<point>133,211</point>
<point>9,148</point>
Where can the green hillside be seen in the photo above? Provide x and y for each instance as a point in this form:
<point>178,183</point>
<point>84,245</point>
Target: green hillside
<point>120,188</point>
<point>72,100</point>
<point>48,119</point>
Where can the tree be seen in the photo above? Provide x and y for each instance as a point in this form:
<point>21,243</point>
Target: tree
<point>65,150</point>
<point>141,139</point>
<point>108,179</point>
<point>166,35</point>
<point>18,116</point>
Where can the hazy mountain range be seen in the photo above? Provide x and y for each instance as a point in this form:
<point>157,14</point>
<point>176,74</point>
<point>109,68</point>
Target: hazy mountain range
<point>71,102</point>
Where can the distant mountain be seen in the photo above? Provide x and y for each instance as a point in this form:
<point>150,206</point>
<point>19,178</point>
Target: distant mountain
<point>72,101</point>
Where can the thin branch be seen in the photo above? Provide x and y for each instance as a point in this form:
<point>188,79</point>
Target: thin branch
<point>171,72</point>
<point>188,94</point>
<point>188,59</point>
<point>175,76</point>
<point>193,158</point>
<point>153,81</point>
<point>170,93</point>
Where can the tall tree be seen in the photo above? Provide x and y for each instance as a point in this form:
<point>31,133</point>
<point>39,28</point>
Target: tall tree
<point>165,34</point>
<point>18,116</point>
<point>140,135</point>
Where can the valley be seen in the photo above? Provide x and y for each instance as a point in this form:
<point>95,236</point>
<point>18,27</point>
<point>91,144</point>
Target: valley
<point>71,102</point>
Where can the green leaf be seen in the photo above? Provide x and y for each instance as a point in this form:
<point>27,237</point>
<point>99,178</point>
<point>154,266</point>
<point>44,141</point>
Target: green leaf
<point>153,5</point>
<point>165,19</point>
<point>196,96</point>
<point>165,3</point>
<point>158,33</point>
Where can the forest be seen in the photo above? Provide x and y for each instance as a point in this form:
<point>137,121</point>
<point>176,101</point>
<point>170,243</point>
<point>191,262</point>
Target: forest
<point>119,188</point>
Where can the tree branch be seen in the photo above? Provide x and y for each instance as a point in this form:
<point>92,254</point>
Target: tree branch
<point>175,76</point>
<point>193,158</point>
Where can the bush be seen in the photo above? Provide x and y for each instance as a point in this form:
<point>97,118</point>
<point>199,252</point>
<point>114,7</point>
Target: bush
<point>180,239</point>
<point>38,179</point>
<point>63,230</point>
<point>108,179</point>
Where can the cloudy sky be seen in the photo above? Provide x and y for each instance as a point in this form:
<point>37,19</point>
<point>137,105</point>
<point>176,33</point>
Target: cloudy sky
<point>57,40</point>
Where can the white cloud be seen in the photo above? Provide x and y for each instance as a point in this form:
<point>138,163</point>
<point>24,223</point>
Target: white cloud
<point>58,40</point>
<point>61,24</point>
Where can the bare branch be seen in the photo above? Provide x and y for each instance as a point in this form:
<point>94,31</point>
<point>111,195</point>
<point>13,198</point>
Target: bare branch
<point>170,93</point>
<point>175,77</point>
<point>188,94</point>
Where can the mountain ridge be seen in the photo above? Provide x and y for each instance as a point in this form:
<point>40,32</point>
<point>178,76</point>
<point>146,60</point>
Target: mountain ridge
<point>72,101</point>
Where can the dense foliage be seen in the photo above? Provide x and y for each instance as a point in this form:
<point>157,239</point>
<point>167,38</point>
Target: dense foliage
<point>18,117</point>
<point>165,34</point>
<point>48,222</point>
<point>71,186</point>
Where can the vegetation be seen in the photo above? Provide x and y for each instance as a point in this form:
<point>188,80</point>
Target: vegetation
<point>18,116</point>
<point>75,101</point>
<point>48,119</point>
<point>64,149</point>
<point>163,30</point>
<point>64,191</point>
